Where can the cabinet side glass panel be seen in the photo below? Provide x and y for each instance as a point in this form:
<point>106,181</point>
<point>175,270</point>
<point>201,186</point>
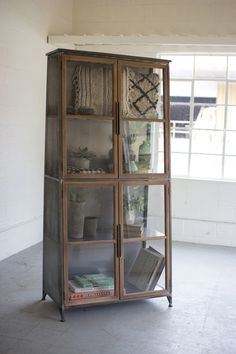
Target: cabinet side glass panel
<point>91,272</point>
<point>142,92</point>
<point>143,211</point>
<point>89,88</point>
<point>51,209</point>
<point>90,213</point>
<point>52,147</point>
<point>52,118</point>
<point>144,266</point>
<point>90,147</point>
<point>53,86</point>
<point>52,283</point>
<point>143,147</point>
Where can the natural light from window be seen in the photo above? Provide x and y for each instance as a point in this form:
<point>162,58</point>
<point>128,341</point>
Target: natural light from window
<point>203,116</point>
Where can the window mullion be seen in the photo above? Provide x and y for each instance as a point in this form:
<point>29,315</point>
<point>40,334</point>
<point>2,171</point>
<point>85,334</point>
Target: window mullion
<point>225,115</point>
<point>191,117</point>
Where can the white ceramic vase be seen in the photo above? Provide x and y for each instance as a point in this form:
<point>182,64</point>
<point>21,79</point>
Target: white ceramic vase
<point>76,220</point>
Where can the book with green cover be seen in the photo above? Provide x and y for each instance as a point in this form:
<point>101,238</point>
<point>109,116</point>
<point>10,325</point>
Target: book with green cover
<point>75,287</point>
<point>91,282</point>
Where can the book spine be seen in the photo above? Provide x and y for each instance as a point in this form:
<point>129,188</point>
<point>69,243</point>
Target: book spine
<point>132,234</point>
<point>90,294</point>
<point>133,229</point>
<point>84,290</point>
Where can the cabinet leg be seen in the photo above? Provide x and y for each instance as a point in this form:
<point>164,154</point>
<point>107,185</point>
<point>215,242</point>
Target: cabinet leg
<point>62,313</point>
<point>44,295</point>
<point>169,298</point>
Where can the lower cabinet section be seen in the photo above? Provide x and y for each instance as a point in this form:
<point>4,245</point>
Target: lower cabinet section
<point>114,242</point>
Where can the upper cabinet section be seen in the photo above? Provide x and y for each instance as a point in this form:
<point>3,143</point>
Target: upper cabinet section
<point>107,116</point>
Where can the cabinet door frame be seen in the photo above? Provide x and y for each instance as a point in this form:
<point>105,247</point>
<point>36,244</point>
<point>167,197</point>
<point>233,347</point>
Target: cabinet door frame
<point>66,117</point>
<point>167,240</point>
<point>68,243</point>
<point>165,120</point>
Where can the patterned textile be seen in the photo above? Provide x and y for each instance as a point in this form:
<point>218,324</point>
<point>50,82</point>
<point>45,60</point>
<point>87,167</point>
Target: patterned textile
<point>92,88</point>
<point>140,94</point>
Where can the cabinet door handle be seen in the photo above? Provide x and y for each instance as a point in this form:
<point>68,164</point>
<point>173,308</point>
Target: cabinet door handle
<point>118,241</point>
<point>118,118</point>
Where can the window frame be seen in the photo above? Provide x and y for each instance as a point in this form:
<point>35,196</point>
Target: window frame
<point>225,107</point>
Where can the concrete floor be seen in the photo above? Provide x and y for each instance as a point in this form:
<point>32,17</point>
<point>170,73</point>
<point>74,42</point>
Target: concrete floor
<point>203,319</point>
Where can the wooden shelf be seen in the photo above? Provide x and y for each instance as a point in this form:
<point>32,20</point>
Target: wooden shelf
<point>89,242</point>
<point>144,238</point>
<point>86,117</point>
<point>157,120</point>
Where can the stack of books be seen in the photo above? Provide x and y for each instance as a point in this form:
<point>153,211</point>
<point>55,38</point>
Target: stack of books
<point>89,286</point>
<point>133,230</point>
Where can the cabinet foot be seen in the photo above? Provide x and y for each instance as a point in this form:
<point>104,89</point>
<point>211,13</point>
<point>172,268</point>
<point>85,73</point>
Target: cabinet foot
<point>169,298</point>
<point>62,313</point>
<point>44,295</point>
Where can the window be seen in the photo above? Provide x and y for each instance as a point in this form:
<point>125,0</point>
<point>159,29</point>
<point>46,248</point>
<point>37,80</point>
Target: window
<point>203,115</point>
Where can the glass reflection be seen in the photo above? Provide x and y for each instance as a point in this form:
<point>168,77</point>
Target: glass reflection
<point>90,213</point>
<point>89,147</point>
<point>143,147</point>
<point>143,211</point>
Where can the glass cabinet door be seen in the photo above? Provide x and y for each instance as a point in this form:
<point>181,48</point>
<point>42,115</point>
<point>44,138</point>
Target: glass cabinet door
<point>91,274</point>
<point>144,237</point>
<point>143,114</point>
<point>91,241</point>
<point>90,120</point>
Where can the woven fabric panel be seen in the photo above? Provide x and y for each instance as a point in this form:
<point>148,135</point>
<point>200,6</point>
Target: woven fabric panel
<point>141,94</point>
<point>93,88</point>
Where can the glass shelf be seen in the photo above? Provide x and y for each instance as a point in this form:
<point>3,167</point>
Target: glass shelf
<point>97,117</point>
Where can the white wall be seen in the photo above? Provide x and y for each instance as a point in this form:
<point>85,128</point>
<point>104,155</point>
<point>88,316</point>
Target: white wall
<point>204,211</point>
<point>24,26</point>
<point>201,18</point>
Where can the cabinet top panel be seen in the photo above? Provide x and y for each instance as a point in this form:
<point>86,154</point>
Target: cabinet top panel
<point>106,55</point>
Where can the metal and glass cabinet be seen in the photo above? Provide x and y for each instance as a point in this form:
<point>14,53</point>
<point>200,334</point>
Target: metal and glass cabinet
<point>107,235</point>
